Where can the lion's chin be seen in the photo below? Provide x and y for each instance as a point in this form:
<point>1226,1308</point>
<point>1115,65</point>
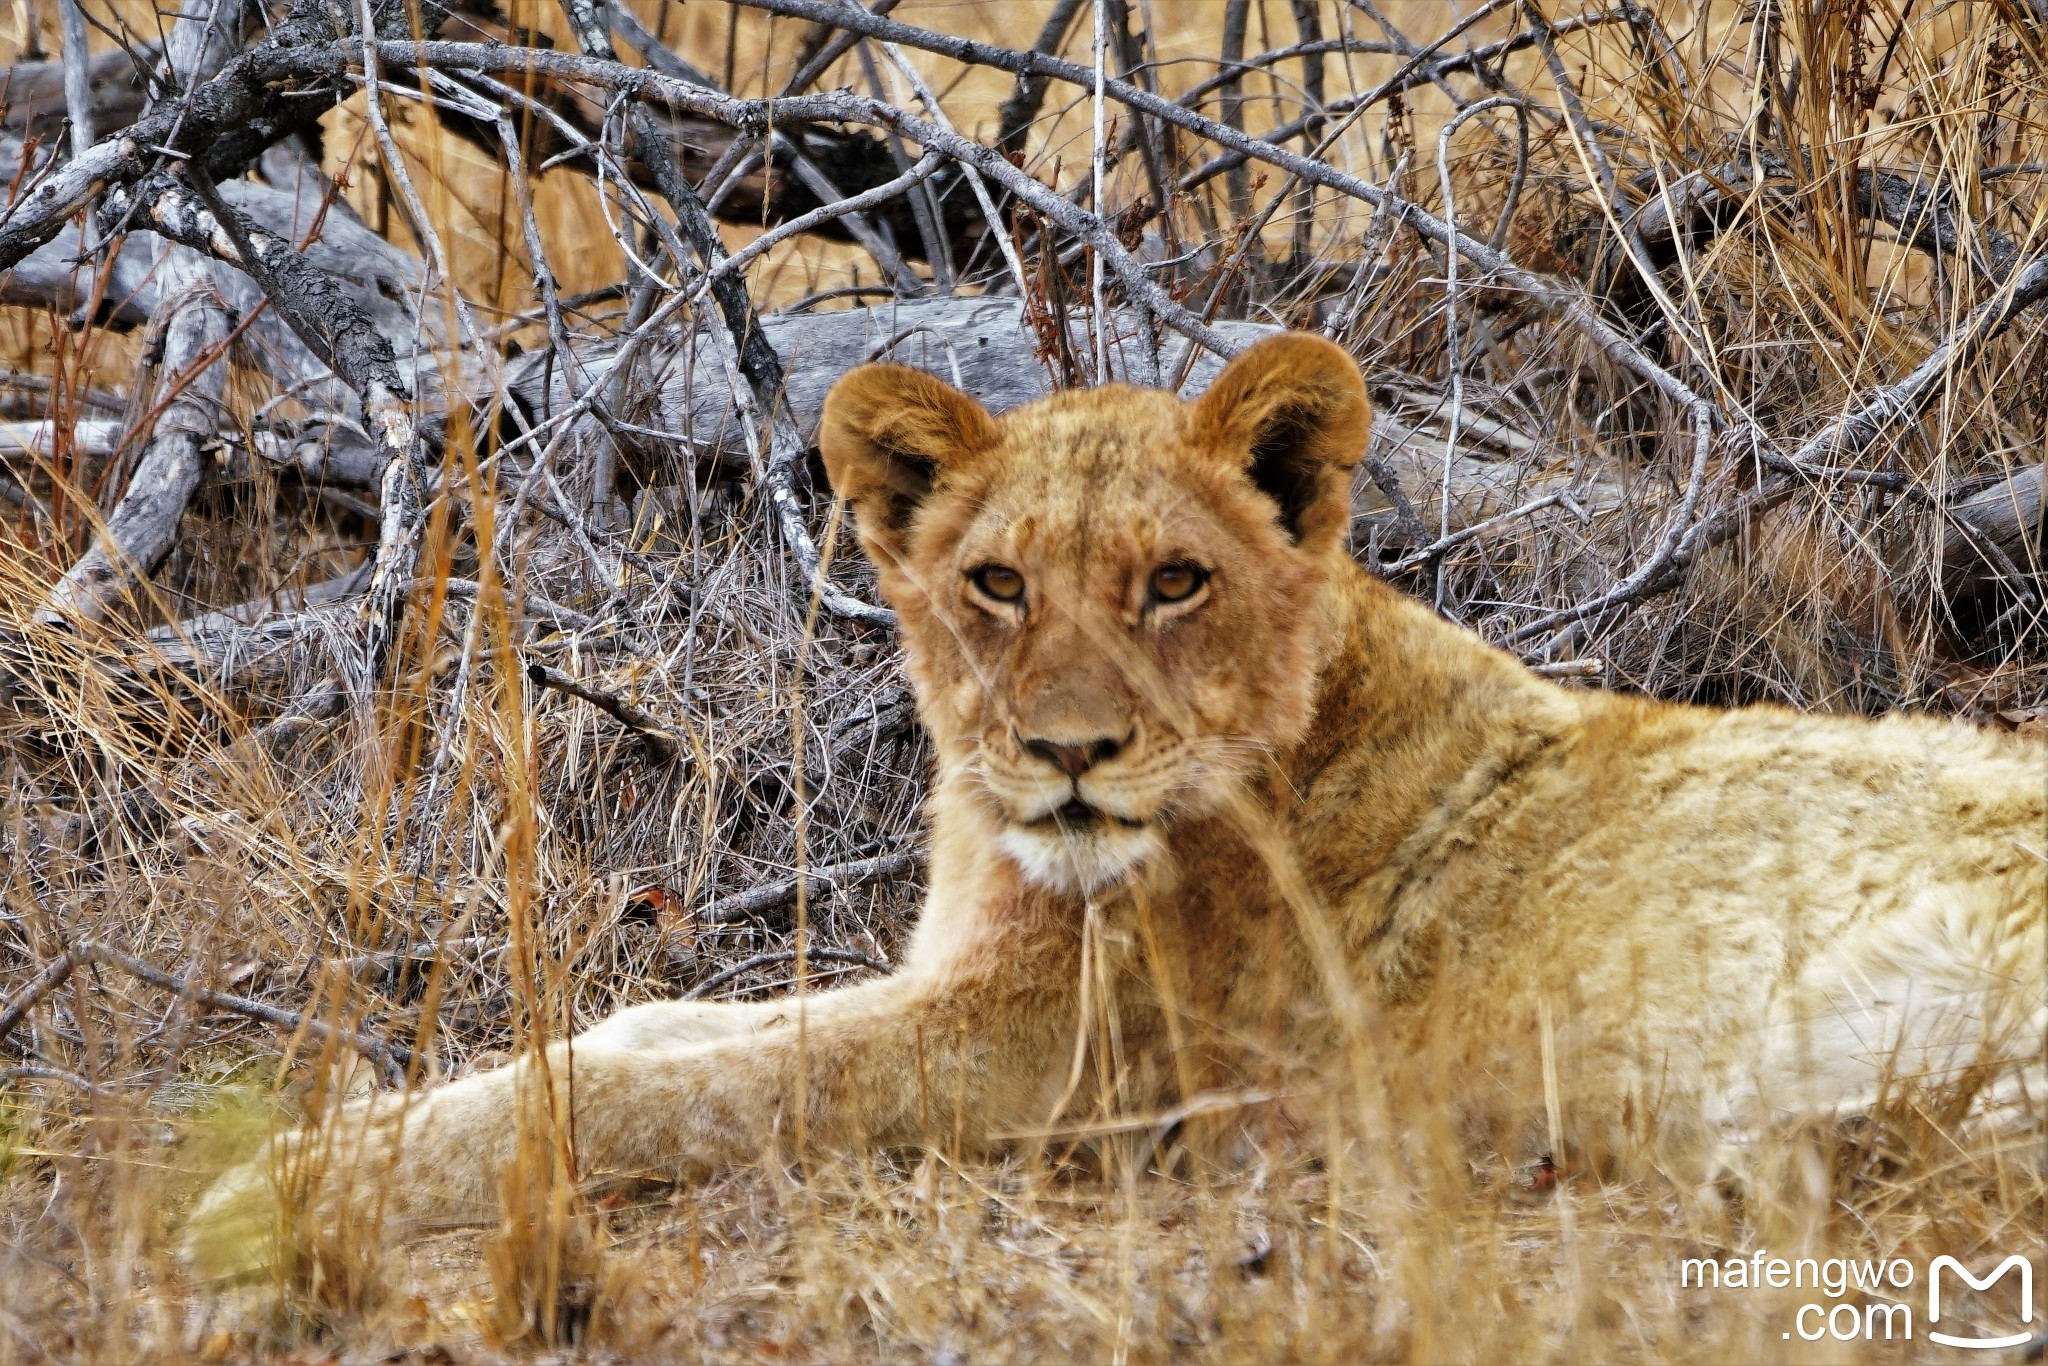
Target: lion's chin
<point>1080,862</point>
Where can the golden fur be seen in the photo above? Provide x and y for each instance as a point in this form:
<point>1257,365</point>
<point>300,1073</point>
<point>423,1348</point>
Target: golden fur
<point>1306,809</point>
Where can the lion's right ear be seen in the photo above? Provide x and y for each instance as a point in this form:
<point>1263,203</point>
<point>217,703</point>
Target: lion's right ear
<point>886,432</point>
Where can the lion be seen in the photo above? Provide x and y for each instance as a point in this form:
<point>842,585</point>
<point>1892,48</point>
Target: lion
<point>1208,790</point>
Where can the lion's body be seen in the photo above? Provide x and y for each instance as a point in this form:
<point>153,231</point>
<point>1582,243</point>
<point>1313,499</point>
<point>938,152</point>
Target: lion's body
<point>1308,813</point>
<point>1751,910</point>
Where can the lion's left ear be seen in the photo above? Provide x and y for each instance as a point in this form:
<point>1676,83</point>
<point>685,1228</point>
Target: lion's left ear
<point>1293,408</point>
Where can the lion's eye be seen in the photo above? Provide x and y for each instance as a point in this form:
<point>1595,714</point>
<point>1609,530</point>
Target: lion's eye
<point>1177,582</point>
<point>998,581</point>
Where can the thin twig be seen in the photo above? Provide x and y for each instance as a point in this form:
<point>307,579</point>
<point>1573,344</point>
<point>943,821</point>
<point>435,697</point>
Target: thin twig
<point>752,904</point>
<point>1442,546</point>
<point>764,960</point>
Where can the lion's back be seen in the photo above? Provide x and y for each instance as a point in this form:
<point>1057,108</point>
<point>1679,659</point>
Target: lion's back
<point>1733,895</point>
<point>1815,821</point>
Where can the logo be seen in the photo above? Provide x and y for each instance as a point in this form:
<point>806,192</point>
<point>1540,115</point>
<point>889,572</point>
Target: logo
<point>1934,1299</point>
<point>1863,1294</point>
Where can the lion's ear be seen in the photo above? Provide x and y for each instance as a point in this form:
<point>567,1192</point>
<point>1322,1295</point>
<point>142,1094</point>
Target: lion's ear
<point>886,432</point>
<point>1293,409</point>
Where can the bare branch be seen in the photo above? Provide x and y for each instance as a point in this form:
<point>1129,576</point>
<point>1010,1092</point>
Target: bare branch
<point>15,1008</point>
<point>393,1058</point>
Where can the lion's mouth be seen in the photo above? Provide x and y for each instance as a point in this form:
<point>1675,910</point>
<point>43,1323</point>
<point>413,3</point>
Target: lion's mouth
<point>1079,846</point>
<point>1075,816</point>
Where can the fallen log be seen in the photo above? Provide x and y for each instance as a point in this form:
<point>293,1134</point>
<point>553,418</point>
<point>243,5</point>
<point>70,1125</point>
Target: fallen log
<point>32,94</point>
<point>2007,515</point>
<point>985,346</point>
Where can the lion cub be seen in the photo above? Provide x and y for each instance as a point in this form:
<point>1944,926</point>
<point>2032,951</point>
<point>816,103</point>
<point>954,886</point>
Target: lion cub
<point>1209,792</point>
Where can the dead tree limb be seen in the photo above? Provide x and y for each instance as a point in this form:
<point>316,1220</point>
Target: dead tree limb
<point>760,367</point>
<point>765,960</point>
<point>1567,303</point>
<point>77,81</point>
<point>326,316</point>
<point>1882,409</point>
<point>16,1007</point>
<point>143,526</point>
<point>221,125</point>
<point>758,901</point>
<point>392,1058</point>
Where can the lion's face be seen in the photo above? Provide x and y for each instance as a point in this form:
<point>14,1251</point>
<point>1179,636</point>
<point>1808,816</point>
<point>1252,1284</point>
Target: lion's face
<point>1106,597</point>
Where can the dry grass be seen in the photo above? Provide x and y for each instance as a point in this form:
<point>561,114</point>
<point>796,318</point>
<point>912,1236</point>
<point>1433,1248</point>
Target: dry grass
<point>560,870</point>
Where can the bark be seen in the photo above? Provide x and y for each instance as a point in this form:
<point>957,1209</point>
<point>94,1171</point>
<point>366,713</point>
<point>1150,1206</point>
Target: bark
<point>381,280</point>
<point>222,125</point>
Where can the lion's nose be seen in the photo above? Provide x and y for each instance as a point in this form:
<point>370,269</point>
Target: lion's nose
<point>1074,760</point>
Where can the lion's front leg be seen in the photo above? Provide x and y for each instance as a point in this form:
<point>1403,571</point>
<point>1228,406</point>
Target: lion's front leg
<point>889,1062</point>
<point>899,1062</point>
<point>439,1154</point>
<point>661,1024</point>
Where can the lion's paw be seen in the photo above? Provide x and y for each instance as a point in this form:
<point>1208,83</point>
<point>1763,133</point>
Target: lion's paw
<point>303,1191</point>
<point>235,1231</point>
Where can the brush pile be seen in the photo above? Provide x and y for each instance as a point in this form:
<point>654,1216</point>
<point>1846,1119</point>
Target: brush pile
<point>426,628</point>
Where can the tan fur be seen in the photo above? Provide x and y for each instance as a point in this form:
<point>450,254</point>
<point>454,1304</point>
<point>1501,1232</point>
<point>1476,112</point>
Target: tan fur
<point>1715,916</point>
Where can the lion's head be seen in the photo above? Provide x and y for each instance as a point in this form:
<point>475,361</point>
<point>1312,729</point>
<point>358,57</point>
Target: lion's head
<point>1106,596</point>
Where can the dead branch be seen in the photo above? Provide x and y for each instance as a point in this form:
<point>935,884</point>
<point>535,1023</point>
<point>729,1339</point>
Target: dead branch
<point>393,1058</point>
<point>755,902</point>
<point>326,316</point>
<point>1884,408</point>
<point>1666,565</point>
<point>222,125</point>
<point>661,741</point>
<point>1568,304</point>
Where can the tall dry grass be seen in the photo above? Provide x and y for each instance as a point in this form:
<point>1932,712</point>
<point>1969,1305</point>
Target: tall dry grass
<point>560,873</point>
